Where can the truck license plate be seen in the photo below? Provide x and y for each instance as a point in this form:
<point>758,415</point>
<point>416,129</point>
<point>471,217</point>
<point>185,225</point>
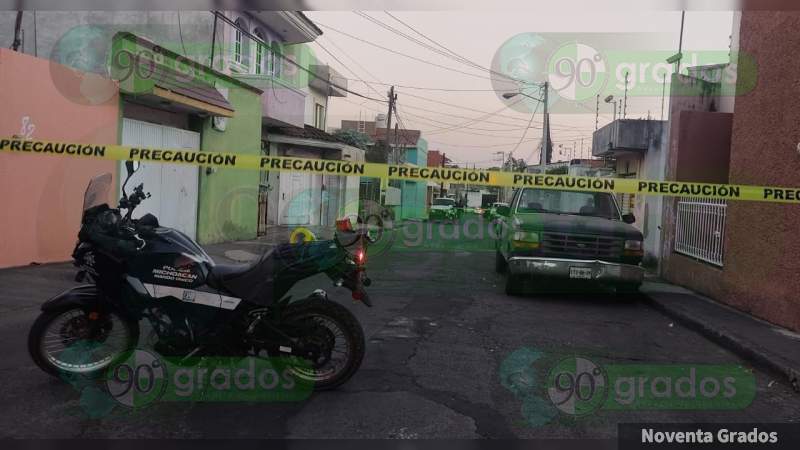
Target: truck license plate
<point>580,272</point>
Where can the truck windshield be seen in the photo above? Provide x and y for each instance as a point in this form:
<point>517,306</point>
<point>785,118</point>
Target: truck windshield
<point>443,202</point>
<point>596,204</point>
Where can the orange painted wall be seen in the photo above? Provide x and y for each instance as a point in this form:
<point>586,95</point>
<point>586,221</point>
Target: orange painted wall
<point>41,196</point>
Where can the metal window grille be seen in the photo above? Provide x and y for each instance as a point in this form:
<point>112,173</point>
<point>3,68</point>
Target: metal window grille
<point>700,228</point>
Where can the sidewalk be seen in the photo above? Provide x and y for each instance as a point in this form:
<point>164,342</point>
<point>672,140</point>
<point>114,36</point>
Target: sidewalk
<point>751,338</point>
<point>246,251</point>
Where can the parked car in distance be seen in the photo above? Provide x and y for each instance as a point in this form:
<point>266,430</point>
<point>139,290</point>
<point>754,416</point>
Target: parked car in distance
<point>442,208</point>
<point>490,213</point>
<point>547,236</point>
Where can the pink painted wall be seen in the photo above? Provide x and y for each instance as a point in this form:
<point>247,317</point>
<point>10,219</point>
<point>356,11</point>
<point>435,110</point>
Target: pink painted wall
<point>41,196</point>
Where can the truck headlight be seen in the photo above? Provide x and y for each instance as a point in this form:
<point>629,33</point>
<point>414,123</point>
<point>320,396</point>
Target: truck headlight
<point>633,247</point>
<point>525,239</point>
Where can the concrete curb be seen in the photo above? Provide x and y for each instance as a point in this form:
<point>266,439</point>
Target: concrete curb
<point>744,335</point>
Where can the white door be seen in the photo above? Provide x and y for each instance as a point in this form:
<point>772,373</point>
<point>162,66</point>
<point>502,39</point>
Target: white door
<point>295,199</point>
<point>173,186</point>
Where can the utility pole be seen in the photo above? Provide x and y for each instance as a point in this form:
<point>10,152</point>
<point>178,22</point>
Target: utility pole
<point>625,101</point>
<point>597,113</point>
<point>663,87</point>
<point>543,160</point>
<point>394,150</point>
<point>680,43</point>
<point>17,32</point>
<point>392,99</point>
<point>441,185</point>
<point>500,190</point>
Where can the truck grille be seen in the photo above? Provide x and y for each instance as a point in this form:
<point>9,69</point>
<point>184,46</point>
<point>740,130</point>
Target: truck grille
<point>581,246</point>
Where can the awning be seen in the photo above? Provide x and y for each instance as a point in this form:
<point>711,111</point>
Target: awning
<point>151,74</point>
<point>171,86</point>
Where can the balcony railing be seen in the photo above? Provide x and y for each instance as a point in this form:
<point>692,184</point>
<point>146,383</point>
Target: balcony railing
<point>700,229</point>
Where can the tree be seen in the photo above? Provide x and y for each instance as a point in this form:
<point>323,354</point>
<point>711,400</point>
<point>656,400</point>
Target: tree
<point>516,165</point>
<point>378,153</point>
<point>353,137</point>
<point>562,170</point>
<point>373,152</point>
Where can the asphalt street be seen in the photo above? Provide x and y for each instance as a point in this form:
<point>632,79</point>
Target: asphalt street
<point>443,345</point>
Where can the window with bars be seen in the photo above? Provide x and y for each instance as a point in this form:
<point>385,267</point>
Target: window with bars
<point>319,116</point>
<point>700,228</point>
<point>262,64</point>
<point>241,46</point>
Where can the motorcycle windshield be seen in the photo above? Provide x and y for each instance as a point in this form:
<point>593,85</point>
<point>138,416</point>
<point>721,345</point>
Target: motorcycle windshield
<point>97,191</point>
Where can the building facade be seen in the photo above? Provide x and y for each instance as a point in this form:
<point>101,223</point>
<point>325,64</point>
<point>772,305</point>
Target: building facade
<point>738,250</point>
<point>638,149</point>
<point>203,81</point>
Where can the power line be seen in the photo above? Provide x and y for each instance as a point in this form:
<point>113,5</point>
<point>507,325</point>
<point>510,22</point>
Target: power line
<point>455,55</point>
<point>470,119</point>
<point>345,66</point>
<point>479,146</point>
<point>526,131</point>
<point>425,88</point>
<point>348,67</point>
<point>464,107</point>
<point>456,129</point>
<point>285,59</point>
<point>401,54</point>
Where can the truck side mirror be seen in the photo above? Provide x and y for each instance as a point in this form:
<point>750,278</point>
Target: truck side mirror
<point>628,218</point>
<point>504,211</point>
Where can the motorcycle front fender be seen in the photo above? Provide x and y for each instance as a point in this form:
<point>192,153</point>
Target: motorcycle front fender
<point>84,295</point>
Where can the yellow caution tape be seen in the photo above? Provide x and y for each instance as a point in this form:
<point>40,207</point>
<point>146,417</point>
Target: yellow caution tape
<point>435,174</point>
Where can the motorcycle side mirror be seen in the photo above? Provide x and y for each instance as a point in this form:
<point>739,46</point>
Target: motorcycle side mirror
<point>132,166</point>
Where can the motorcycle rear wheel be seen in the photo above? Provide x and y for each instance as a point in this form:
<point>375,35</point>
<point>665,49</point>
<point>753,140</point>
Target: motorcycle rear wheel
<point>336,324</point>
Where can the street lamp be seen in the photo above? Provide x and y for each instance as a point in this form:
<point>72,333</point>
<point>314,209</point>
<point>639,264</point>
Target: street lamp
<point>545,119</point>
<point>610,99</point>
<point>509,95</point>
<point>500,191</point>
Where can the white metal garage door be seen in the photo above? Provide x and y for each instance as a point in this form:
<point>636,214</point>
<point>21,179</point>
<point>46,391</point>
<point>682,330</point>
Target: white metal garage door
<point>295,199</point>
<point>173,186</point>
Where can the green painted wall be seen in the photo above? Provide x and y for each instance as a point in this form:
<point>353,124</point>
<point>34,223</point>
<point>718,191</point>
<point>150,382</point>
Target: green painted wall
<point>228,209</point>
<point>303,55</point>
<point>228,198</point>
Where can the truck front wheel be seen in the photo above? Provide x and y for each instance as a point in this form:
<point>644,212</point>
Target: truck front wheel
<point>627,289</point>
<point>500,265</point>
<point>513,285</point>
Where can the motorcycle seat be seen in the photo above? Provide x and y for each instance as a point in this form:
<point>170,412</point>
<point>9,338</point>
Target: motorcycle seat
<point>223,272</point>
<point>243,280</point>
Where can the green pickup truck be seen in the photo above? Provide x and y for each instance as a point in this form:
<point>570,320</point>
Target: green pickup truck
<point>546,236</point>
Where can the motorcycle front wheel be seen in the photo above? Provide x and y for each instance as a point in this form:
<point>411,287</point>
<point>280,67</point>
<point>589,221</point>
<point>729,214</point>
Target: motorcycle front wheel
<point>332,341</point>
<point>80,341</point>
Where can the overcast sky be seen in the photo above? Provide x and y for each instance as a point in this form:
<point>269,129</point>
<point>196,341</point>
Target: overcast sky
<point>477,35</point>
